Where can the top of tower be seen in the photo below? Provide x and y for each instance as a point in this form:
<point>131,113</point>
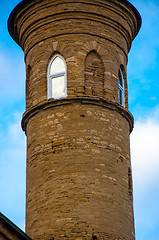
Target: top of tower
<point>26,4</point>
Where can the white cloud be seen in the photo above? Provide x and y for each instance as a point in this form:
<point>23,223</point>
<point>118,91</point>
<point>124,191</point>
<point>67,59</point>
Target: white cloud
<point>12,172</point>
<point>145,165</point>
<point>145,150</point>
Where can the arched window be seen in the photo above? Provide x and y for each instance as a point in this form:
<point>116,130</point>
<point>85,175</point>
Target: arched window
<point>94,74</point>
<point>57,87</point>
<point>121,88</point>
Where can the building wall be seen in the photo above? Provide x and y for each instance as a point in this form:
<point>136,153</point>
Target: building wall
<point>79,182</point>
<point>6,233</point>
<point>78,173</point>
<point>76,53</point>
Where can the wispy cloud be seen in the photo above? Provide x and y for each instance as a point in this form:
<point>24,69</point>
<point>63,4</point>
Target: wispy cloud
<point>147,41</point>
<point>145,151</point>
<point>12,75</point>
<point>143,59</point>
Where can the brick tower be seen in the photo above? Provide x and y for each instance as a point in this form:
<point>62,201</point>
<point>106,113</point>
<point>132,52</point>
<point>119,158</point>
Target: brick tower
<point>77,122</point>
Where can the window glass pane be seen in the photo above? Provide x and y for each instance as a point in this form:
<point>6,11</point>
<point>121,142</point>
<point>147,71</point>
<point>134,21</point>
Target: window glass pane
<point>119,96</point>
<point>57,66</point>
<point>58,87</point>
<point>120,78</point>
<point>120,87</point>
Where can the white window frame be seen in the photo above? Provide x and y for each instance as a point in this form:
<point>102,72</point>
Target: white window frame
<point>121,97</point>
<point>54,76</point>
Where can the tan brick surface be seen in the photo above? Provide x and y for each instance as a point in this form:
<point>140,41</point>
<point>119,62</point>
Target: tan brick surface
<point>79,182</point>
<point>77,173</point>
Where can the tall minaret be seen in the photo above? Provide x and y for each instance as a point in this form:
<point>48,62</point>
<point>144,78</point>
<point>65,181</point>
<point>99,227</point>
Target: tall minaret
<point>77,123</point>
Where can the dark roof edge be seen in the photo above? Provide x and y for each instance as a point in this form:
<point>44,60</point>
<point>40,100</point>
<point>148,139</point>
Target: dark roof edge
<point>24,3</point>
<point>16,228</point>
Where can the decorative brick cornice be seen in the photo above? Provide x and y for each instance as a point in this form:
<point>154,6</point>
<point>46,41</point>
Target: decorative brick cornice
<point>22,22</point>
<point>82,100</point>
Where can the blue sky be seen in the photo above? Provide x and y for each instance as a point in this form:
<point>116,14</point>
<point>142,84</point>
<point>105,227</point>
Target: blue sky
<point>143,83</point>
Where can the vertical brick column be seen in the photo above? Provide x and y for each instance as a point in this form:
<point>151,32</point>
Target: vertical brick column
<point>79,183</point>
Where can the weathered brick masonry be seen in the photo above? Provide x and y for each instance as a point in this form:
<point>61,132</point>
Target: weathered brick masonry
<point>79,182</point>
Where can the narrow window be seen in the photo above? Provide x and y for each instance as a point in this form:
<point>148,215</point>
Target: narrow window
<point>130,182</point>
<point>57,78</point>
<point>121,88</point>
<point>28,83</point>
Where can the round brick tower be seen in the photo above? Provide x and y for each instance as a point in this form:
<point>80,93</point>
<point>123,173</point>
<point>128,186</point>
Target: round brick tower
<point>77,122</point>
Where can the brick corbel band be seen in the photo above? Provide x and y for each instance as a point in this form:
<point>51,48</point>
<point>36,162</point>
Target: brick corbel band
<point>82,100</point>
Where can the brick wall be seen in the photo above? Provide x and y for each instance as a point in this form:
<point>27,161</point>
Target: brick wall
<point>79,182</point>
<point>77,173</point>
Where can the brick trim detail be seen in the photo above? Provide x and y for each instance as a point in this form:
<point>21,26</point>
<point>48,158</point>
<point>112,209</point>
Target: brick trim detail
<point>82,100</point>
